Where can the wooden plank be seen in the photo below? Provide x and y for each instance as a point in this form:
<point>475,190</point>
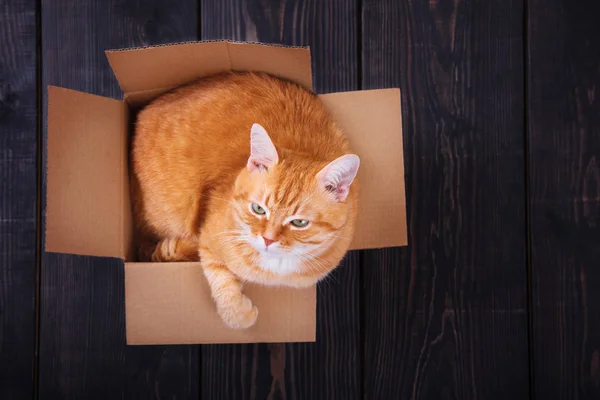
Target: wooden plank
<point>18,196</point>
<point>329,368</point>
<point>564,199</point>
<point>446,317</point>
<point>82,345</point>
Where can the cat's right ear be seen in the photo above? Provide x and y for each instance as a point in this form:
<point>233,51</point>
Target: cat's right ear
<point>263,154</point>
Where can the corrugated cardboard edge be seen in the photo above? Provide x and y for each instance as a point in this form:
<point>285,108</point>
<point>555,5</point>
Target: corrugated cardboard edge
<point>207,41</point>
<point>227,41</point>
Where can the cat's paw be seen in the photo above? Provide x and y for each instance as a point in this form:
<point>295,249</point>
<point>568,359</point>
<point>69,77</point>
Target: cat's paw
<point>175,249</point>
<point>240,314</point>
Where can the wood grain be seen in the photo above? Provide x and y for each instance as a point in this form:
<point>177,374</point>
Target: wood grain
<point>18,187</point>
<point>447,317</point>
<point>83,354</point>
<point>564,168</point>
<point>329,368</point>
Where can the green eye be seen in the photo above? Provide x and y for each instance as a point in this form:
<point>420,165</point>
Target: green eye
<point>299,223</point>
<point>258,209</point>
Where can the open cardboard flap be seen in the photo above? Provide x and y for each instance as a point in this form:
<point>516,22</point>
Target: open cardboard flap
<point>89,211</point>
<point>371,120</point>
<point>175,306</point>
<point>88,205</point>
<point>144,73</point>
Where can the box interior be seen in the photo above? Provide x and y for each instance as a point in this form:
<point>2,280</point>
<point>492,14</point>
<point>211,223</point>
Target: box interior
<point>89,208</point>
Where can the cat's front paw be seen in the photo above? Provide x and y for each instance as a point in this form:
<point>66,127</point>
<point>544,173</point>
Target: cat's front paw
<point>239,314</point>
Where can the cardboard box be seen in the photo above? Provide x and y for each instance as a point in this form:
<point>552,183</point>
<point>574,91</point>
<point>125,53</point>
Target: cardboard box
<point>88,204</point>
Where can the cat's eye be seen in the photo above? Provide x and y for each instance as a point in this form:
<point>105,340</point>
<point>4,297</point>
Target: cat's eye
<point>300,223</point>
<point>258,209</point>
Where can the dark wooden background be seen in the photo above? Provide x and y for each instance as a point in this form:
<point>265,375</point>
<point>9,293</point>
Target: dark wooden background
<point>497,295</point>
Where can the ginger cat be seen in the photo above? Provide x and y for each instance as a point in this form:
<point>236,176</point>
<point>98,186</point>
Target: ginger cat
<point>249,174</point>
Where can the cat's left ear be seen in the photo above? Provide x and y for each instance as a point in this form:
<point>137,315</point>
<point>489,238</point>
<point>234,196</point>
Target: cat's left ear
<point>263,154</point>
<point>337,176</point>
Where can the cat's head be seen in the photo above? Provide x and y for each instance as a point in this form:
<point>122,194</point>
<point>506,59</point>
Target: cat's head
<point>294,211</point>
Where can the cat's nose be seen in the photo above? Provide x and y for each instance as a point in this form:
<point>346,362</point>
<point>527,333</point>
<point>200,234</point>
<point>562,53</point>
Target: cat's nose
<point>268,241</point>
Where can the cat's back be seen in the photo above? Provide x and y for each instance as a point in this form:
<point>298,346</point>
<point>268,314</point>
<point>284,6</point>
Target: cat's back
<point>216,113</point>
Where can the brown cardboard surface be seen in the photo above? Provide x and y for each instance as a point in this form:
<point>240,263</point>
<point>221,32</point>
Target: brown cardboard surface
<point>89,211</point>
<point>166,67</point>
<point>86,169</point>
<point>292,63</point>
<point>170,303</point>
<point>372,121</point>
<point>136,100</point>
<point>158,67</point>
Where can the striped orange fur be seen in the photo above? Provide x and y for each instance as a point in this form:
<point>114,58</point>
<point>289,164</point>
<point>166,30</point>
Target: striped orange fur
<point>249,174</point>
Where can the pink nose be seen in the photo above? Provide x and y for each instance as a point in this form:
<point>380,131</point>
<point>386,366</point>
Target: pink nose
<point>268,242</point>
